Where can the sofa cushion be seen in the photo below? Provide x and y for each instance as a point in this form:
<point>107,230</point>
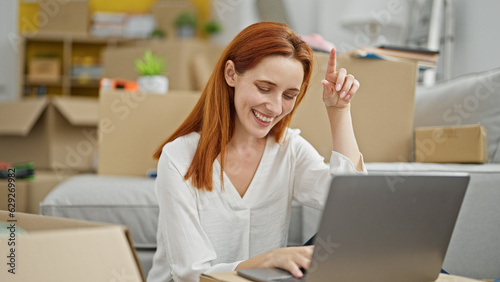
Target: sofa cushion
<point>469,99</point>
<point>129,201</point>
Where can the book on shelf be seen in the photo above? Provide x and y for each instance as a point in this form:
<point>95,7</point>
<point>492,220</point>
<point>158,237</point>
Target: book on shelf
<point>425,58</point>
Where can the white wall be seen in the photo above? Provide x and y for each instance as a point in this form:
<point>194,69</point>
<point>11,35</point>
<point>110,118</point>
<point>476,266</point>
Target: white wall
<point>302,15</point>
<point>328,17</point>
<point>477,35</point>
<point>9,80</point>
<point>234,15</point>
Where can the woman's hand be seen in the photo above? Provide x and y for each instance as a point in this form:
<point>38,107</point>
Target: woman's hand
<point>291,259</point>
<point>338,86</point>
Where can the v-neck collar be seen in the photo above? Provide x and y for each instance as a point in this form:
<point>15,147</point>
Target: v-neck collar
<point>228,185</point>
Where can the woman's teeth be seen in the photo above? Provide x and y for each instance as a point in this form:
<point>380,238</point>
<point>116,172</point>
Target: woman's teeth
<point>261,117</point>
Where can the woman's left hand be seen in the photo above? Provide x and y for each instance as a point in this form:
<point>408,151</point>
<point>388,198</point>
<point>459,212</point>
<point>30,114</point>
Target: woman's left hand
<point>338,86</point>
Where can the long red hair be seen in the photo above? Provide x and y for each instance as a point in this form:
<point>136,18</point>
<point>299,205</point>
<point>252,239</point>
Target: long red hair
<point>213,114</point>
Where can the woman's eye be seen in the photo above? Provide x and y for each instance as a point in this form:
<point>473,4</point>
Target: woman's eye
<point>288,96</point>
<point>263,90</point>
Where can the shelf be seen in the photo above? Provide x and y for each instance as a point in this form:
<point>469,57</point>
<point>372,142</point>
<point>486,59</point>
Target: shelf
<point>40,80</point>
<point>90,83</point>
<point>67,47</point>
<point>75,37</point>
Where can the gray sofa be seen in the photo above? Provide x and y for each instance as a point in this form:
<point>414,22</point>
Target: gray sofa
<point>474,250</point>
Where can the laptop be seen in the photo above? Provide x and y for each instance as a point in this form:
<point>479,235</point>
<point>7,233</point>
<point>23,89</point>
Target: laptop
<point>383,227</point>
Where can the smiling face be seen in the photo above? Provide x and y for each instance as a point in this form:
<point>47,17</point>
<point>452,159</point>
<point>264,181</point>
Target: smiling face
<point>264,94</point>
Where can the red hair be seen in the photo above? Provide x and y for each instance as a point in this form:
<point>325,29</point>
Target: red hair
<point>213,114</point>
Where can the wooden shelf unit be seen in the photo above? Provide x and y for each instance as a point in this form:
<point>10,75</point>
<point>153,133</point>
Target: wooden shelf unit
<point>66,47</point>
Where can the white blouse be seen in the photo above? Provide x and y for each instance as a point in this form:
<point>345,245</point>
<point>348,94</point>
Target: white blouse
<point>206,232</point>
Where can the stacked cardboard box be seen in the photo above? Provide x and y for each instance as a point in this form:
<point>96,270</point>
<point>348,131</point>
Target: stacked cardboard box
<point>133,125</point>
<point>58,135</point>
<point>382,109</point>
<point>452,144</point>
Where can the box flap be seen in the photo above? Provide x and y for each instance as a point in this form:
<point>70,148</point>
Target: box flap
<point>136,257</point>
<point>21,116</point>
<point>79,111</point>
<point>33,222</point>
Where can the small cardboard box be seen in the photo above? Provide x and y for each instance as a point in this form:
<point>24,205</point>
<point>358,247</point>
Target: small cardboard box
<point>69,16</point>
<point>29,193</point>
<point>44,70</point>
<point>382,109</point>
<point>55,134</point>
<point>57,249</point>
<point>133,125</point>
<point>456,144</point>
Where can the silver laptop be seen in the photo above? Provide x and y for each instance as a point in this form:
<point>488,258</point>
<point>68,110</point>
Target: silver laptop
<point>384,227</point>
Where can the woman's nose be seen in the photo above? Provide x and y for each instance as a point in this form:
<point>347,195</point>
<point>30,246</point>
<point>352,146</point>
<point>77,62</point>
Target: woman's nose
<point>274,105</point>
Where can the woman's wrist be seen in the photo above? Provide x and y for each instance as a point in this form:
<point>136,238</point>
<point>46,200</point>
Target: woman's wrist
<point>264,260</point>
<point>335,109</point>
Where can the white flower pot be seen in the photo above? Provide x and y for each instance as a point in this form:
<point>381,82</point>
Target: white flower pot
<point>157,84</point>
<point>185,31</point>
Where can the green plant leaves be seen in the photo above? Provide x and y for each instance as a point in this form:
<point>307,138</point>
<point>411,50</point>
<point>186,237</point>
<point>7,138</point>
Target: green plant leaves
<point>150,64</point>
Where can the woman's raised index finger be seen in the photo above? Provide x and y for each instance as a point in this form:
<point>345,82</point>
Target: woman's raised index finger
<point>332,61</point>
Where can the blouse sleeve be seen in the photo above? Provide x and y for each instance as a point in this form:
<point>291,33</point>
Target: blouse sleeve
<point>189,252</point>
<point>312,176</point>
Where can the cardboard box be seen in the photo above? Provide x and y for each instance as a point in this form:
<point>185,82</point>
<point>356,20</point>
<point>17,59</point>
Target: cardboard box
<point>133,125</point>
<point>456,144</point>
<point>55,134</point>
<point>57,249</point>
<point>29,193</point>
<point>43,183</point>
<point>70,16</point>
<point>18,199</point>
<point>382,109</point>
<point>180,55</point>
<point>44,70</point>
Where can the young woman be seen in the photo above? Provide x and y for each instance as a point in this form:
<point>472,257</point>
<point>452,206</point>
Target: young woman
<point>228,175</point>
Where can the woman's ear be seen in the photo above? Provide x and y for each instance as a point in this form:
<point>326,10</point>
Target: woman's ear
<point>230,73</point>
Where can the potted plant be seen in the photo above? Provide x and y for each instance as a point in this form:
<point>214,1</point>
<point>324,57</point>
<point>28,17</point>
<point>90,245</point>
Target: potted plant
<point>158,33</point>
<point>185,23</point>
<point>151,68</point>
<point>212,27</point>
